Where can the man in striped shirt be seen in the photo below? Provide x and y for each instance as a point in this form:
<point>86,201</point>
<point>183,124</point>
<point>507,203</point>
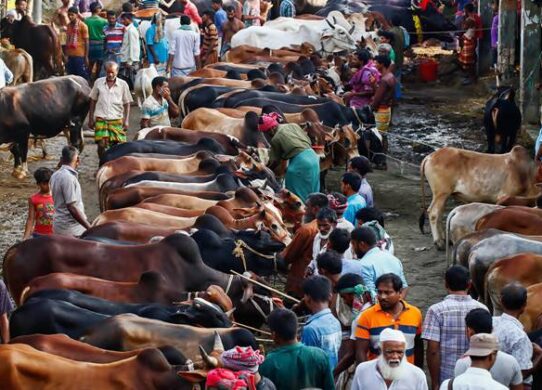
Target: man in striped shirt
<point>113,35</point>
<point>209,48</point>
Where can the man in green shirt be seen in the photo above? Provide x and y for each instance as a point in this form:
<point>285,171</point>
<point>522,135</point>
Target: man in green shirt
<point>96,25</point>
<point>292,365</point>
<point>290,143</point>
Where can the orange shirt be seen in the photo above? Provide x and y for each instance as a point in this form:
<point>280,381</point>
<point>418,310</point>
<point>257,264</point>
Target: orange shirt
<point>374,320</point>
<point>75,45</point>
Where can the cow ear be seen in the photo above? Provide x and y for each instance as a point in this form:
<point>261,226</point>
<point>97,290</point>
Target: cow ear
<point>154,359</point>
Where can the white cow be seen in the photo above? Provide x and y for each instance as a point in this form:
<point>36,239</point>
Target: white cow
<point>142,83</point>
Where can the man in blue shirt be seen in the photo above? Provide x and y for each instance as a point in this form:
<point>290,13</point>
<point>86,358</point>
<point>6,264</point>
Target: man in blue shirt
<point>220,16</point>
<point>350,183</point>
<point>287,9</point>
<point>375,261</point>
<point>322,329</point>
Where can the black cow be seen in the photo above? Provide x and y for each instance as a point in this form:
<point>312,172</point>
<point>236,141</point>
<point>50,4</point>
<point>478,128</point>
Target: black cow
<point>202,96</point>
<point>245,98</point>
<point>242,252</point>
<point>199,313</point>
<point>44,108</point>
<point>58,315</point>
<point>173,177</point>
<point>162,147</point>
<point>41,42</point>
<point>502,120</point>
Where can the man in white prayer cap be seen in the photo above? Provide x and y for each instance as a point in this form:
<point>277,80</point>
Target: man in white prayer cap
<point>390,369</point>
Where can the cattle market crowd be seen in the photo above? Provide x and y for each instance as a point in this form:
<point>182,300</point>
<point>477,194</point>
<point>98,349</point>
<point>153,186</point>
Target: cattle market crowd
<point>222,258</point>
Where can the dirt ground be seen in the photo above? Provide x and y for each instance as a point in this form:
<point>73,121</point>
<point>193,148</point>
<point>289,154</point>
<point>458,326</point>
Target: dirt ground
<point>429,113</point>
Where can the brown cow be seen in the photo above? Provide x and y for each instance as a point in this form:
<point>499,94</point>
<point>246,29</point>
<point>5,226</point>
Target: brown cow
<point>524,268</point>
<point>149,289</point>
<point>470,177</point>
<point>129,163</point>
<point>245,54</point>
<point>176,84</point>
<point>141,215</point>
<point>261,216</point>
<point>182,201</point>
<point>514,219</point>
<point>531,318</point>
<point>527,201</point>
<point>23,368</point>
<point>20,63</point>
<point>128,231</point>
<point>66,347</point>
<point>169,210</point>
<point>125,197</point>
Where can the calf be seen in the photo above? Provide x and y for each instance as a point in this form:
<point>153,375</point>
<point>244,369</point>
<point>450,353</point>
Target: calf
<point>470,177</point>
<point>502,120</point>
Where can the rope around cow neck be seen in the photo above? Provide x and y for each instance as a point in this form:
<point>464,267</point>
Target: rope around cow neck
<point>239,253</point>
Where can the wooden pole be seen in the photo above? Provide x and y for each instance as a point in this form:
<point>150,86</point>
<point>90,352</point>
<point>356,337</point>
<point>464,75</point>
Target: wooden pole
<point>529,74</point>
<point>484,46</point>
<point>507,41</point>
<point>251,328</point>
<point>266,287</point>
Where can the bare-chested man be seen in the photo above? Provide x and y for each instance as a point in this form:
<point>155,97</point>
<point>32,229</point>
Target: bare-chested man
<point>230,27</point>
<point>60,22</point>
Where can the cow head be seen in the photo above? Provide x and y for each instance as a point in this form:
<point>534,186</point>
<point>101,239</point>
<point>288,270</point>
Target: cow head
<point>258,249</point>
<point>202,313</point>
<point>291,207</point>
<point>269,220</point>
<point>255,174</point>
<point>336,38</point>
<point>215,294</point>
<point>212,359</point>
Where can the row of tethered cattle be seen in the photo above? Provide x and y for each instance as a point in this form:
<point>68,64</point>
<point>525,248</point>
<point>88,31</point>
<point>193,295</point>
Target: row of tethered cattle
<point>181,209</point>
<point>499,241</point>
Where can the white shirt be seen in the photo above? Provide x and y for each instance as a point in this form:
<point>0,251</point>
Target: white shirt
<point>156,112</point>
<point>130,50</point>
<point>344,224</point>
<point>474,379</point>
<point>505,370</point>
<point>367,377</point>
<point>184,46</point>
<point>110,101</point>
<point>514,341</point>
<point>6,77</point>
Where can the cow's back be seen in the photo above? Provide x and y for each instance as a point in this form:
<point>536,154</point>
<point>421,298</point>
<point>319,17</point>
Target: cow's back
<point>478,177</point>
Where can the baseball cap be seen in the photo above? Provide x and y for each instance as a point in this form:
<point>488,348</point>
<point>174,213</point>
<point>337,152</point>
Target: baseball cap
<point>482,344</point>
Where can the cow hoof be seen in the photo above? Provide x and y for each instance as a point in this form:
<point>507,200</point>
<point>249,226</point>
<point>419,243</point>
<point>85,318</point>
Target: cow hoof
<point>440,245</point>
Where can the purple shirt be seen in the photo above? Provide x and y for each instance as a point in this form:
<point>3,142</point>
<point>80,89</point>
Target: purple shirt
<point>5,302</point>
<point>365,80</point>
<point>495,31</point>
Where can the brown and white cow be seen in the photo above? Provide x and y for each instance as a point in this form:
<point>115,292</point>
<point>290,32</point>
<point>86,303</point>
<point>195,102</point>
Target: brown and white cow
<point>473,177</point>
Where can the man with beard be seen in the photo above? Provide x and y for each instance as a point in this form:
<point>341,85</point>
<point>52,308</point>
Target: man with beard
<point>391,369</point>
<point>326,220</point>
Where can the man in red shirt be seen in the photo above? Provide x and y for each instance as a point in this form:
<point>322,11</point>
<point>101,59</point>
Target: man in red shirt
<point>191,11</point>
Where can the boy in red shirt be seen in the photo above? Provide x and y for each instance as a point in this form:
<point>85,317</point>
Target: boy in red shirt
<point>40,207</point>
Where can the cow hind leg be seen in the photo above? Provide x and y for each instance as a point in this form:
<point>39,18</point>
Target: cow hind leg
<point>18,172</point>
<point>435,219</point>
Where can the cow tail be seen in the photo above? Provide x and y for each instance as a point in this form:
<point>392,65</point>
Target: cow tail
<point>421,220</point>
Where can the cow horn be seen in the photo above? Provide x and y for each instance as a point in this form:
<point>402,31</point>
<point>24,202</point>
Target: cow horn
<point>230,312</point>
<point>334,20</point>
<point>352,29</point>
<point>218,345</point>
<point>209,360</point>
<point>330,25</point>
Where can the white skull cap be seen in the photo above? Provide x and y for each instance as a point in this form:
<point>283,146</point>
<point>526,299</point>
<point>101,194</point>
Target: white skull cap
<point>389,334</point>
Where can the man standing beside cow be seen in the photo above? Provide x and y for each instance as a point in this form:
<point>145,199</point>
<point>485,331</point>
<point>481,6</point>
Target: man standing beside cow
<point>130,51</point>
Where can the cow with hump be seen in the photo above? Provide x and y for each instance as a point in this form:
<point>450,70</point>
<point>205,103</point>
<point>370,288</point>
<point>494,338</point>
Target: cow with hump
<point>473,177</point>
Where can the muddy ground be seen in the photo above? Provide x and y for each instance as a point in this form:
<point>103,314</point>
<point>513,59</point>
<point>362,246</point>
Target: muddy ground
<point>434,114</point>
